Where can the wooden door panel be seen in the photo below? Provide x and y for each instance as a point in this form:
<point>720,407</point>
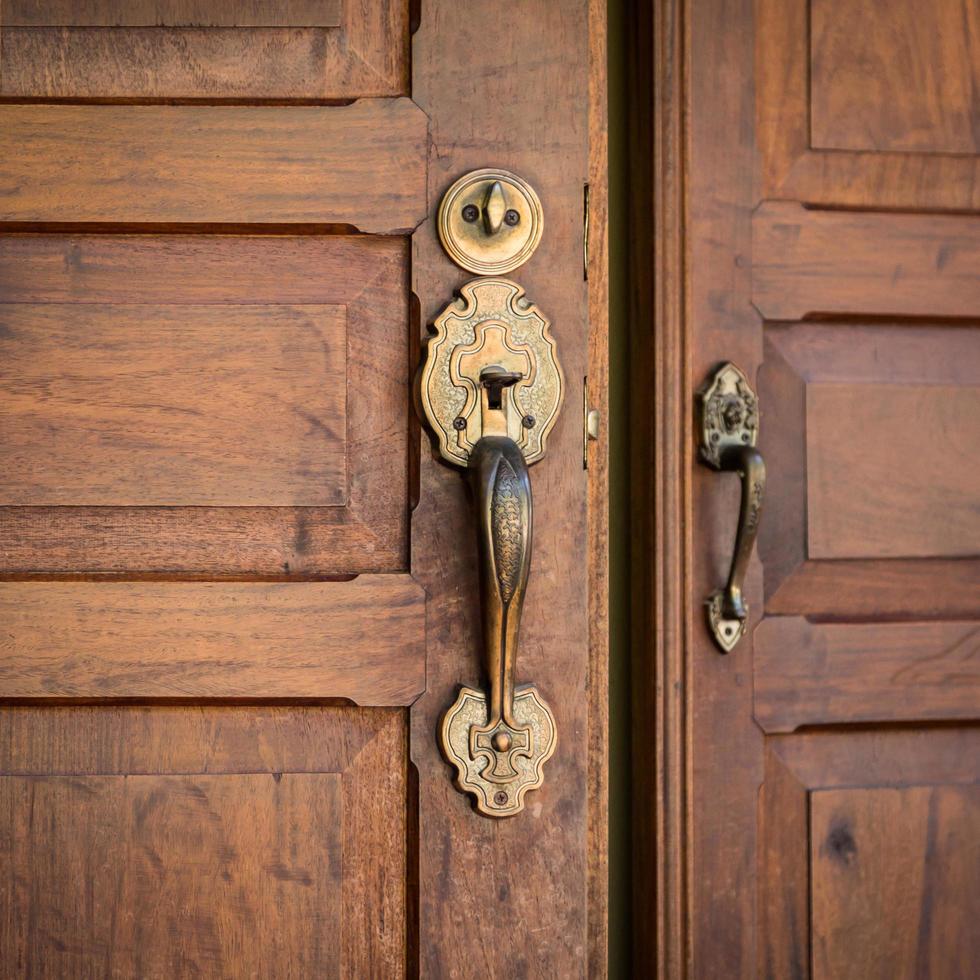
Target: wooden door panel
<point>809,673</point>
<point>870,848</point>
<point>900,76</point>
<point>204,403</point>
<point>361,164</point>
<point>220,841</point>
<point>871,437</point>
<point>363,640</point>
<point>105,405</point>
<point>808,262</point>
<point>901,903</point>
<point>324,49</point>
<point>890,82</point>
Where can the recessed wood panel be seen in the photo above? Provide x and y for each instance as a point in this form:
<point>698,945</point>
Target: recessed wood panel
<point>170,13</point>
<point>203,840</point>
<point>363,640</point>
<point>896,882</point>
<point>152,876</point>
<point>892,471</point>
<point>910,123</point>
<point>231,49</point>
<point>868,850</point>
<point>173,405</point>
<point>897,75</point>
<point>810,673</point>
<point>872,454</point>
<point>263,379</point>
<point>362,164</point>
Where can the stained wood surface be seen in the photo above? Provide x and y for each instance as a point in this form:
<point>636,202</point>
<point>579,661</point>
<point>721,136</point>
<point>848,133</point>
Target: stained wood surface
<point>268,768</point>
<point>896,882</point>
<point>793,169</point>
<point>362,164</point>
<point>931,507</point>
<point>856,766</point>
<point>363,640</point>
<point>835,673</point>
<point>170,13</point>
<point>70,281</point>
<point>173,405</point>
<point>532,112</point>
<point>245,56</point>
<point>882,637</point>
<point>897,75</point>
<point>806,261</point>
<point>142,875</point>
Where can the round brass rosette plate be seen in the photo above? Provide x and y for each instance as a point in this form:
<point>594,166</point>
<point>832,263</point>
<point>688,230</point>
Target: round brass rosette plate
<point>490,222</point>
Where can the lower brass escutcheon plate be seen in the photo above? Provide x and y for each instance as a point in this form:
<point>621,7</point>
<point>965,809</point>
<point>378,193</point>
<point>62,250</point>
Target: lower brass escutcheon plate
<point>498,767</point>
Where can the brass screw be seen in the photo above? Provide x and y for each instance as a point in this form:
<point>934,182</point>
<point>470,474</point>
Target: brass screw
<point>470,213</point>
<point>500,798</point>
<point>512,217</point>
<point>529,421</point>
<point>459,423</point>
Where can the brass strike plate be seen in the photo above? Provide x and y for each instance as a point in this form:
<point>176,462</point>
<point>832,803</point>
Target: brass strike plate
<point>490,222</point>
<point>492,324</point>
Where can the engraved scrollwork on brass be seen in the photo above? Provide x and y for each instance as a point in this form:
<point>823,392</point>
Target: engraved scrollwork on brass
<point>729,429</point>
<point>490,389</point>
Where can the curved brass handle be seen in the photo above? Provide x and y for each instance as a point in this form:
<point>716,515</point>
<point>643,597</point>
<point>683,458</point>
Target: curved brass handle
<point>502,501</point>
<point>490,389</point>
<point>729,427</point>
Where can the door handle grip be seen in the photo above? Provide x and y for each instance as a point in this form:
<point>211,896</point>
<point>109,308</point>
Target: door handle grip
<point>728,611</point>
<point>729,428</point>
<point>502,505</point>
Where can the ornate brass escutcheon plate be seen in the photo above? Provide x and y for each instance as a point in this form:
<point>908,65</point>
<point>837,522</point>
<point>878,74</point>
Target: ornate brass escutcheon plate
<point>490,389</point>
<point>498,778</point>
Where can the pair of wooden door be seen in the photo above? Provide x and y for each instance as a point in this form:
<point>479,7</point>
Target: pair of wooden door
<point>817,788</point>
<point>237,590</point>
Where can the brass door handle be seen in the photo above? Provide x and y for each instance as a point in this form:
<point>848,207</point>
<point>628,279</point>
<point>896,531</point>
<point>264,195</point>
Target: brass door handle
<point>490,390</point>
<point>729,428</point>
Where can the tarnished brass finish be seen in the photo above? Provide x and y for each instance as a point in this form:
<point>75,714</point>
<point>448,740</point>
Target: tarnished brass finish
<point>499,744</point>
<point>490,222</point>
<point>490,389</point>
<point>491,325</point>
<point>729,428</point>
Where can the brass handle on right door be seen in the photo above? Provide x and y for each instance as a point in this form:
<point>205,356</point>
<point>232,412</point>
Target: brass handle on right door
<point>729,427</point>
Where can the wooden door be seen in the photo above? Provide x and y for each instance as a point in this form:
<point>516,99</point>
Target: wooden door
<point>818,801</point>
<point>237,590</point>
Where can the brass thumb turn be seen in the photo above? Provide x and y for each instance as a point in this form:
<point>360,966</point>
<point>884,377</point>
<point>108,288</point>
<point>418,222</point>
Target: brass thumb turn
<point>729,428</point>
<point>490,390</point>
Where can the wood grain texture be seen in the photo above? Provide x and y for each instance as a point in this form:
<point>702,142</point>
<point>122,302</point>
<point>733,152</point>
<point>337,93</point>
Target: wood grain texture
<point>365,57</point>
<point>225,274</point>
<point>597,462</point>
<point>367,749</point>
<point>363,640</point>
<point>173,405</point>
<point>362,164</point>
<point>806,261</point>
<point>895,75</point>
<point>856,763</point>
<point>895,379</point>
<point>151,876</point>
<point>836,673</point>
<point>532,112</point>
<point>931,507</point>
<point>791,169</point>
<point>170,13</point>
<point>896,882</point>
